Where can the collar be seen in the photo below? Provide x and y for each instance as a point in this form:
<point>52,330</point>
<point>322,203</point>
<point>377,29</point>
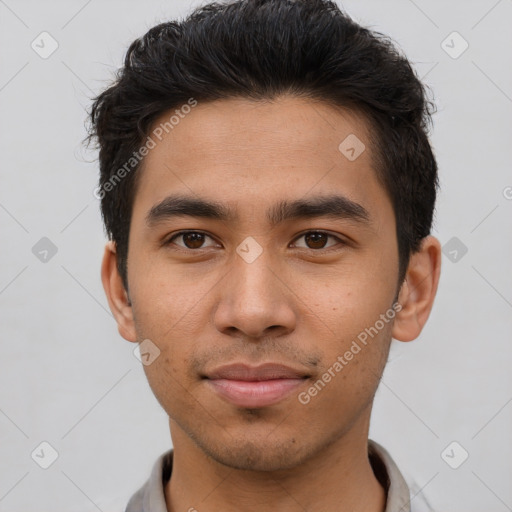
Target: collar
<point>150,497</point>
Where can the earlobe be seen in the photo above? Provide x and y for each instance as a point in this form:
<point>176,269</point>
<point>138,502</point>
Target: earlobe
<point>418,290</point>
<point>117,295</point>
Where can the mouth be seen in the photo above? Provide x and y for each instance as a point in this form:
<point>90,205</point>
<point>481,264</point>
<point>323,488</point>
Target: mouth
<point>253,387</point>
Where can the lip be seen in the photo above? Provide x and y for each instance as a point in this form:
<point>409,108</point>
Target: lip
<point>255,386</point>
<point>245,372</point>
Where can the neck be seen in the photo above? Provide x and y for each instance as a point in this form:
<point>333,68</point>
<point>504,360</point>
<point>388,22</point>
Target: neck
<point>339,478</point>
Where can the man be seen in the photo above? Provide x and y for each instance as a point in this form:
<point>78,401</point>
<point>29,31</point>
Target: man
<point>268,189</point>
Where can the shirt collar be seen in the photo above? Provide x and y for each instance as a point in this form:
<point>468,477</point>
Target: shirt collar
<point>151,498</point>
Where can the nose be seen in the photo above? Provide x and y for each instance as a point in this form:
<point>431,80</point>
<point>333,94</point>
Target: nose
<point>255,301</point>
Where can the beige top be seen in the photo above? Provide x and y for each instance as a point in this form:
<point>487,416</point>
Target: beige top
<point>150,497</point>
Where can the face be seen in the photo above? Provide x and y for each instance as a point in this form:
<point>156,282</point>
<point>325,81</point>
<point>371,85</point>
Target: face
<point>293,259</point>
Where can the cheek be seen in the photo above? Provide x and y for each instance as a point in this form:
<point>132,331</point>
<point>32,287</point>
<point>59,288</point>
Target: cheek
<point>351,372</point>
<point>352,299</point>
<point>169,375</point>
<point>164,381</point>
<point>355,315</point>
<point>172,322</point>
<point>166,301</point>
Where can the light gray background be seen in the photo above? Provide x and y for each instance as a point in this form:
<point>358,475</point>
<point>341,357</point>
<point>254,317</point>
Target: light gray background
<point>69,379</point>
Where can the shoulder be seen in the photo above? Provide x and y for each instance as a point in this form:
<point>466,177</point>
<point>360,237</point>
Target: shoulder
<point>151,497</point>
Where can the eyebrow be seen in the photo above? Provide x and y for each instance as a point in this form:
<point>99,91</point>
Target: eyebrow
<point>333,206</point>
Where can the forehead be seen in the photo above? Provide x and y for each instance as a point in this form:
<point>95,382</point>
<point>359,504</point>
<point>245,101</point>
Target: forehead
<point>231,127</point>
<point>244,152</point>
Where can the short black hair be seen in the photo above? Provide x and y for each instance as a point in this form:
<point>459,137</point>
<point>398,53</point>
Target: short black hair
<point>259,50</point>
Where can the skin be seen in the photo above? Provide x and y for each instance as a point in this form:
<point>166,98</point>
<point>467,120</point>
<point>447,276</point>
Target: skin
<point>301,302</point>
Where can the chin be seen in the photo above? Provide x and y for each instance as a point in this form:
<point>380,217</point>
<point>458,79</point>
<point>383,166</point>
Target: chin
<point>265,453</point>
<point>254,457</point>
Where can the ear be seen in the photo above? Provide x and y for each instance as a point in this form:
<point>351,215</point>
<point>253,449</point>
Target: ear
<point>117,296</point>
<point>418,290</point>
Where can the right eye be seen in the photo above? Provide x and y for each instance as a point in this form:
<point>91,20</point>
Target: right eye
<point>191,240</point>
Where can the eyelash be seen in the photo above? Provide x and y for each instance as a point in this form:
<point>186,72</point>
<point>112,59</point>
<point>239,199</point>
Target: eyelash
<point>329,235</point>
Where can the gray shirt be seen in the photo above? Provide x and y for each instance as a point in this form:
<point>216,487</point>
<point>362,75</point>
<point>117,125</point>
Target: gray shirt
<point>150,497</point>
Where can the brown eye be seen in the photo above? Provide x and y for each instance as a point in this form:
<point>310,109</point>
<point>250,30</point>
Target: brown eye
<point>193,240</point>
<point>190,239</point>
<point>317,240</point>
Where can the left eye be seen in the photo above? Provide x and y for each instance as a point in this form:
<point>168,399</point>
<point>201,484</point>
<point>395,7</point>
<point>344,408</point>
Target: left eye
<point>317,239</point>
